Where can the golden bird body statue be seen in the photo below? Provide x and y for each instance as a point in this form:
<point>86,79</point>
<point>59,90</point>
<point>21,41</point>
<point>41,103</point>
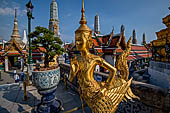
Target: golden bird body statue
<point>101,97</point>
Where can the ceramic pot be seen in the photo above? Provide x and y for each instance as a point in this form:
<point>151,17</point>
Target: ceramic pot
<point>46,82</point>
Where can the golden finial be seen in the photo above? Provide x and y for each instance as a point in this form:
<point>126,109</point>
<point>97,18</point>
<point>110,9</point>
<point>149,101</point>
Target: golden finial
<point>15,14</point>
<point>83,22</point>
<point>83,19</point>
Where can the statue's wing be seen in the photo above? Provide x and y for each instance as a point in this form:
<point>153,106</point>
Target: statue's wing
<point>112,97</point>
<point>118,93</point>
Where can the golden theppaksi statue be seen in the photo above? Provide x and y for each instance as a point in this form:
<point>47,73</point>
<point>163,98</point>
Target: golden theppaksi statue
<point>99,96</point>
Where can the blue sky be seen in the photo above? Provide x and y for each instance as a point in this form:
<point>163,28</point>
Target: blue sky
<point>142,15</point>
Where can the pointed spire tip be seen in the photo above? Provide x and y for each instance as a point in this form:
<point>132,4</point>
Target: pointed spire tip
<point>83,19</point>
<point>15,13</point>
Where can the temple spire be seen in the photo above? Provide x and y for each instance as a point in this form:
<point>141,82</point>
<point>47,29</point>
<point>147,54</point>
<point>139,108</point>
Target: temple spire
<point>96,24</point>
<point>134,40</point>
<point>54,21</point>
<point>15,33</point>
<point>122,29</point>
<point>144,39</point>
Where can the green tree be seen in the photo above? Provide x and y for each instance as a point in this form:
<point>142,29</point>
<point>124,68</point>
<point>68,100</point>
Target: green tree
<point>42,37</point>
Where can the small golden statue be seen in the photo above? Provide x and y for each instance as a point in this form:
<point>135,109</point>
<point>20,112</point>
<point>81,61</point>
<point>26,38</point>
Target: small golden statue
<point>101,97</point>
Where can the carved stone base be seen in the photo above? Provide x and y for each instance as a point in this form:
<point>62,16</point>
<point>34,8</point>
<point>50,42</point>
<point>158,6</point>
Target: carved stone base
<point>49,104</point>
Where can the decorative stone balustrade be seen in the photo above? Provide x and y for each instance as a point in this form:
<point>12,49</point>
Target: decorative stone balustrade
<point>153,99</point>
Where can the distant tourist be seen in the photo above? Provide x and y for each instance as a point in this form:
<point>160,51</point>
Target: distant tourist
<point>16,77</point>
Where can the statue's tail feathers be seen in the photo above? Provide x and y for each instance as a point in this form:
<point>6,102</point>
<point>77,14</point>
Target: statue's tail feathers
<point>129,94</point>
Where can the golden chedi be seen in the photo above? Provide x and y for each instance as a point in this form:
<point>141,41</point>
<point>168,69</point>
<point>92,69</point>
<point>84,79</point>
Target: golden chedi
<point>161,46</point>
<point>101,97</point>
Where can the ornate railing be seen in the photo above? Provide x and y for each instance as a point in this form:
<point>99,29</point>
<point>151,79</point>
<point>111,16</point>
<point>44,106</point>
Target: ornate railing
<point>152,99</point>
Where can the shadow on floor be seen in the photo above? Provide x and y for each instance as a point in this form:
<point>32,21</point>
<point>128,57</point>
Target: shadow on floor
<point>3,110</point>
<point>15,94</point>
<point>70,99</point>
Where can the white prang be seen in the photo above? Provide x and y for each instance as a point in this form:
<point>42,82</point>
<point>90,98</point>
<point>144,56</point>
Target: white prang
<point>25,37</point>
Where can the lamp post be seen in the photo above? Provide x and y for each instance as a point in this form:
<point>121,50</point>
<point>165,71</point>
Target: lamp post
<point>29,15</point>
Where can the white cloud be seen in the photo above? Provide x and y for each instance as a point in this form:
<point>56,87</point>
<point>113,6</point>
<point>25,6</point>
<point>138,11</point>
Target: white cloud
<point>10,11</point>
<point>6,11</point>
<point>7,8</point>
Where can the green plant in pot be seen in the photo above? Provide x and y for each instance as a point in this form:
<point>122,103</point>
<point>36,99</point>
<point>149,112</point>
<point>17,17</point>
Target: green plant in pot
<point>42,37</point>
<point>47,78</point>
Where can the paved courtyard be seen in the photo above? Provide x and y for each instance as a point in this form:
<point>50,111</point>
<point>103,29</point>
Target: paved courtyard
<point>12,94</point>
<point>8,77</point>
<point>11,99</point>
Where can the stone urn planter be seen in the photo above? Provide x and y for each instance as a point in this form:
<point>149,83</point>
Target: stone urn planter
<point>46,82</point>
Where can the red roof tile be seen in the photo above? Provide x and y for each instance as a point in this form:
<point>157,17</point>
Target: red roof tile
<point>105,39</point>
<point>16,53</point>
<point>101,40</point>
<point>118,50</point>
<point>1,47</point>
<point>114,42</point>
<point>99,50</point>
<point>41,49</point>
<point>134,47</point>
<point>95,42</point>
<point>108,50</point>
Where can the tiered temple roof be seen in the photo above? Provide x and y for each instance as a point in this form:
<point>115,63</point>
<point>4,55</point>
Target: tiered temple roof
<point>15,45</point>
<point>115,44</point>
<point>15,35</point>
